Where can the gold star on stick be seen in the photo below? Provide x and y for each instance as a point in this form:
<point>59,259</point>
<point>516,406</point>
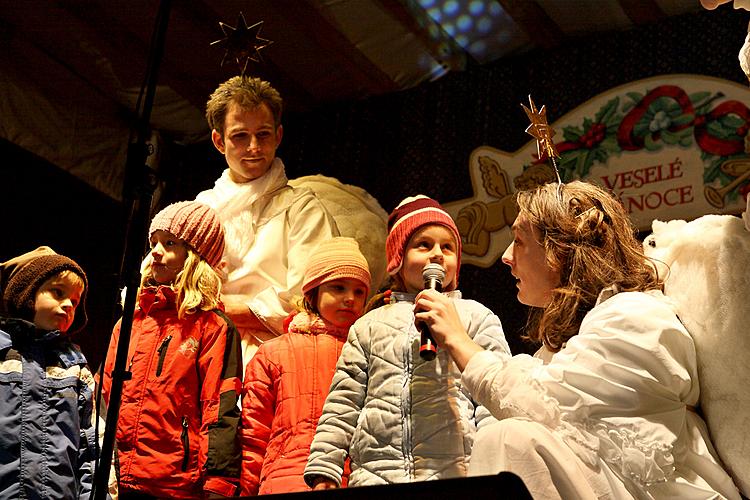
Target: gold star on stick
<point>540,130</point>
<point>242,43</point>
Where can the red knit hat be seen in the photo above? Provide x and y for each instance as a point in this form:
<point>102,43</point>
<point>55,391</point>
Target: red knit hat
<point>196,224</point>
<point>410,215</point>
<point>336,258</point>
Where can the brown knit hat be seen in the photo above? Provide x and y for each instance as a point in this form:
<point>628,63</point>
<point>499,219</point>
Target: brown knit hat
<point>410,215</point>
<point>21,277</point>
<point>196,224</point>
<point>336,258</point>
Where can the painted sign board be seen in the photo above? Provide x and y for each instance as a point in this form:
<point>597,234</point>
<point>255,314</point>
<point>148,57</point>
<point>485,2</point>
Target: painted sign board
<point>669,147</point>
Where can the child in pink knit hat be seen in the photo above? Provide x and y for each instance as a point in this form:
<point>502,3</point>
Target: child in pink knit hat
<point>287,380</point>
<point>177,433</point>
<point>399,417</point>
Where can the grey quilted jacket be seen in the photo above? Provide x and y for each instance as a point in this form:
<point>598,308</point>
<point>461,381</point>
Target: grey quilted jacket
<point>398,417</point>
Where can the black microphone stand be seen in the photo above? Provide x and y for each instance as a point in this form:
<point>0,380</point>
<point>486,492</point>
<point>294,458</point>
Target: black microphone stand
<point>140,184</point>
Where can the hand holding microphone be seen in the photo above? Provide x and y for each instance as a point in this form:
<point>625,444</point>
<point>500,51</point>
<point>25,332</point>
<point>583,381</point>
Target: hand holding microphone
<point>433,275</point>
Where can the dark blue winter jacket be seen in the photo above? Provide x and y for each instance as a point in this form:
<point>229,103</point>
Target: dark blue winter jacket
<point>47,440</point>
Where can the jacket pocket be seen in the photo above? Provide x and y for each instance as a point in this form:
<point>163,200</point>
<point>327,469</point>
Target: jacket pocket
<point>185,437</point>
<point>162,350</point>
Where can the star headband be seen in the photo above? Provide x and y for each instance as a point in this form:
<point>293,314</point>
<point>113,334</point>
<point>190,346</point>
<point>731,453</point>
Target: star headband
<point>540,130</point>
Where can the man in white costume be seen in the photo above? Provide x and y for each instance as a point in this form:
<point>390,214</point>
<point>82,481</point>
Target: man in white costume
<point>271,227</point>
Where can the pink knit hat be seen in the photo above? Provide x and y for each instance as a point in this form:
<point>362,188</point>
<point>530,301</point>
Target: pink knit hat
<point>196,224</point>
<point>410,215</point>
<point>336,258</point>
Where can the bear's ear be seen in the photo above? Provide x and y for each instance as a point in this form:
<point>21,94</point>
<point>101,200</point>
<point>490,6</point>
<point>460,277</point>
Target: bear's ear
<point>657,225</point>
<point>658,228</point>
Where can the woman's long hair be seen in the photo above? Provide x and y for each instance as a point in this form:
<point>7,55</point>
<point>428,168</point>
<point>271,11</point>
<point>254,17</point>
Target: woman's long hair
<point>586,234</point>
<point>198,285</point>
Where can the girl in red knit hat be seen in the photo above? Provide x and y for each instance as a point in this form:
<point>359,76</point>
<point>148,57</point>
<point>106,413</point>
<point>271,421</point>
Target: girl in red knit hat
<point>398,416</point>
<point>177,433</point>
<point>287,380</point>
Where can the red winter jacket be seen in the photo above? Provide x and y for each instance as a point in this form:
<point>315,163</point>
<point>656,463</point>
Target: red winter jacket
<point>177,429</point>
<point>286,384</point>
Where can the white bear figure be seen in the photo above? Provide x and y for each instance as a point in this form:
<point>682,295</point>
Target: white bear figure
<point>357,214</point>
<point>709,280</point>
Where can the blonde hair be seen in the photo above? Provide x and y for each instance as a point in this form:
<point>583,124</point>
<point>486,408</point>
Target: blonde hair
<point>197,285</point>
<point>587,235</point>
<point>248,93</point>
<point>73,276</point>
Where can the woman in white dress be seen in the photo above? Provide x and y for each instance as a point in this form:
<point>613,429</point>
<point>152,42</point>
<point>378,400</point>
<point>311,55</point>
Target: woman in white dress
<point>606,407</point>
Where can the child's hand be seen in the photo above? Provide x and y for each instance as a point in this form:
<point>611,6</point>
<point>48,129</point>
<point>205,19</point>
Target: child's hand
<point>439,313</point>
<point>323,483</point>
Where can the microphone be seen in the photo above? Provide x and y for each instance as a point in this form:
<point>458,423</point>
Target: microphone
<point>433,275</point>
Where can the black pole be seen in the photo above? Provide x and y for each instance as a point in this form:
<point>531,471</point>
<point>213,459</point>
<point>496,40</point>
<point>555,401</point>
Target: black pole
<point>140,183</point>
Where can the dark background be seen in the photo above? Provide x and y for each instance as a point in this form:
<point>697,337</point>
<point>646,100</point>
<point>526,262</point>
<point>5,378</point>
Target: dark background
<point>396,145</point>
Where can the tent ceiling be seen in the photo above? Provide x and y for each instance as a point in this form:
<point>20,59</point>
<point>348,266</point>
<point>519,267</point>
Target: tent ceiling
<point>323,50</point>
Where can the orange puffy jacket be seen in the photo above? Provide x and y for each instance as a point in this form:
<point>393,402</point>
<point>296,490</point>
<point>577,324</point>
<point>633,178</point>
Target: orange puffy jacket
<point>286,384</point>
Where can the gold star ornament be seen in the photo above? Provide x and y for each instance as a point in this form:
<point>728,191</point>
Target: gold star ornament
<point>242,43</point>
<point>541,131</point>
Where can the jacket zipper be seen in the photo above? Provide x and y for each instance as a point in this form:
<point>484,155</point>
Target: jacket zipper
<point>185,444</point>
<point>162,350</point>
<point>406,409</point>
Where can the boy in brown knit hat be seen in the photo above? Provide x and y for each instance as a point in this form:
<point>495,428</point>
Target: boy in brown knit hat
<point>46,424</point>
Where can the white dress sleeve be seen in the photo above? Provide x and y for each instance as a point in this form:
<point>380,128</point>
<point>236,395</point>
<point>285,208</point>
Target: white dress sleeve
<point>620,389</point>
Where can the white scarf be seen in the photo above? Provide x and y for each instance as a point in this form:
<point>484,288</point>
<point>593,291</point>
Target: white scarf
<point>234,204</point>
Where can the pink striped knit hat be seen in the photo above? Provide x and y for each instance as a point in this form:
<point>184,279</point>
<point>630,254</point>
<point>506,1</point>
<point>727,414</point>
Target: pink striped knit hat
<point>410,215</point>
<point>196,224</point>
<point>336,258</point>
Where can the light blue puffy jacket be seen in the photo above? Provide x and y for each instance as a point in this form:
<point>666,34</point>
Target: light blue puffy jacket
<point>398,417</point>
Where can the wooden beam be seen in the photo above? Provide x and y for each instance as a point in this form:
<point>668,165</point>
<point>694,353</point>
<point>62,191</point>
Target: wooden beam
<point>306,18</point>
<point>534,21</point>
<point>642,11</point>
<point>408,14</point>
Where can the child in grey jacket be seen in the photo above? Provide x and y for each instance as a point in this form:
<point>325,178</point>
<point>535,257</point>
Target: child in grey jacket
<point>401,418</point>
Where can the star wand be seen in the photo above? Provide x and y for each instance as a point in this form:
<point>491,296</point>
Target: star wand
<point>540,130</point>
<point>243,43</point>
